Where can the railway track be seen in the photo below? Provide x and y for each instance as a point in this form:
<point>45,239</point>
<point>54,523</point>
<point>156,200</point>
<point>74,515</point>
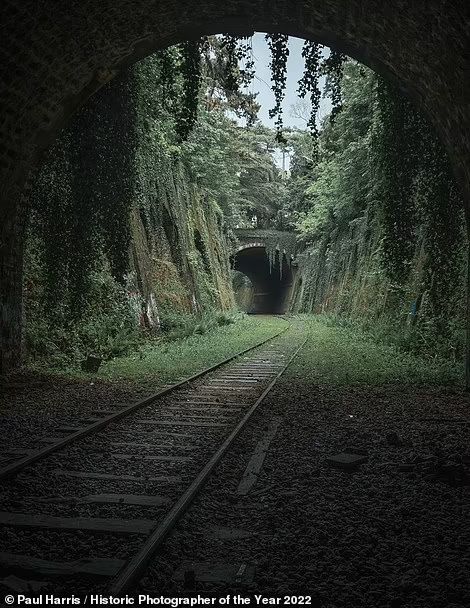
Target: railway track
<point>95,504</point>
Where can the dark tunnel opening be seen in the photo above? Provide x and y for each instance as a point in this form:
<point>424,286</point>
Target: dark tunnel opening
<point>271,285</point>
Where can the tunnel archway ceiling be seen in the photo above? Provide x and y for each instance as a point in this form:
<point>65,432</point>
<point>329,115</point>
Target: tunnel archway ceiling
<point>55,55</point>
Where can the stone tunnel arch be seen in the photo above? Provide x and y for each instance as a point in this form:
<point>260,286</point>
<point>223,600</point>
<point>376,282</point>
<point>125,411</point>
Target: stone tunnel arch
<point>54,57</point>
<point>271,281</point>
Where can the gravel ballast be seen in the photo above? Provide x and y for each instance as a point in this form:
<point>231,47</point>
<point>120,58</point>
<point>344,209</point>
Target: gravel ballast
<point>392,531</point>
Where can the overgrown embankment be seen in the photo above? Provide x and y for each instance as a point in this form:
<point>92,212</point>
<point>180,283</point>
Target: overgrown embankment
<point>133,210</point>
<point>123,241</point>
<point>341,275</point>
<point>381,222</point>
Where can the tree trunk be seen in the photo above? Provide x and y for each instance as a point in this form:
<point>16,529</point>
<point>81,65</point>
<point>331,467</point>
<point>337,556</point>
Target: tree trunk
<point>11,291</point>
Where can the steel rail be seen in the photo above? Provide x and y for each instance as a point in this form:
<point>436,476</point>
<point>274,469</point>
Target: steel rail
<point>15,467</point>
<point>134,568</point>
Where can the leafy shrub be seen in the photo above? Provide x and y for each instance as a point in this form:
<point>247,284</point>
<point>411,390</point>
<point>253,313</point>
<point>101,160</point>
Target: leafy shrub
<point>429,339</point>
<point>179,326</point>
<point>108,328</point>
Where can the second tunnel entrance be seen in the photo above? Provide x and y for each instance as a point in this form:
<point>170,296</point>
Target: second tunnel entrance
<point>268,287</point>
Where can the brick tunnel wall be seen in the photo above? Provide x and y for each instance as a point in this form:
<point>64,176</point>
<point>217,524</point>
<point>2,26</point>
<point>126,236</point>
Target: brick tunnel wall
<point>54,55</point>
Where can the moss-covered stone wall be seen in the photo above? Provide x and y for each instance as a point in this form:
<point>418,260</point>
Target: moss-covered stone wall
<point>180,263</point>
<point>342,274</point>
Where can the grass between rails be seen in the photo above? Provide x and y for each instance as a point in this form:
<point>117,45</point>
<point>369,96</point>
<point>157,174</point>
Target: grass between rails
<point>338,356</point>
<point>165,362</point>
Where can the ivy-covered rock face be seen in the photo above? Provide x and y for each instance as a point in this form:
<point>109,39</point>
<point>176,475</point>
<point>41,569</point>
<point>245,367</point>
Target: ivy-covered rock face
<point>144,241</point>
<point>381,228</point>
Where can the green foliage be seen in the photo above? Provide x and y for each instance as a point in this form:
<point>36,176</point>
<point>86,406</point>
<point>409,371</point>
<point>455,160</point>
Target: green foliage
<point>426,340</point>
<point>73,200</point>
<point>315,66</point>
<point>180,326</point>
<point>192,74</point>
<point>233,165</point>
<point>278,45</point>
<point>109,329</point>
<point>311,52</point>
<point>243,289</point>
<point>239,67</point>
<point>164,361</point>
<point>440,211</point>
<point>395,167</point>
<point>228,72</point>
<point>344,354</point>
<point>329,193</point>
<point>333,67</point>
<point>381,218</point>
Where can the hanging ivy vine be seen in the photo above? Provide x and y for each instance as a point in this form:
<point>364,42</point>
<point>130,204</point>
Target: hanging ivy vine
<point>279,48</point>
<point>238,73</point>
<point>308,84</point>
<point>167,61</point>
<point>332,68</point>
<point>440,210</point>
<point>192,74</point>
<point>230,44</point>
<point>240,70</point>
<point>50,202</point>
<point>394,178</point>
<point>240,64</point>
<point>84,192</point>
